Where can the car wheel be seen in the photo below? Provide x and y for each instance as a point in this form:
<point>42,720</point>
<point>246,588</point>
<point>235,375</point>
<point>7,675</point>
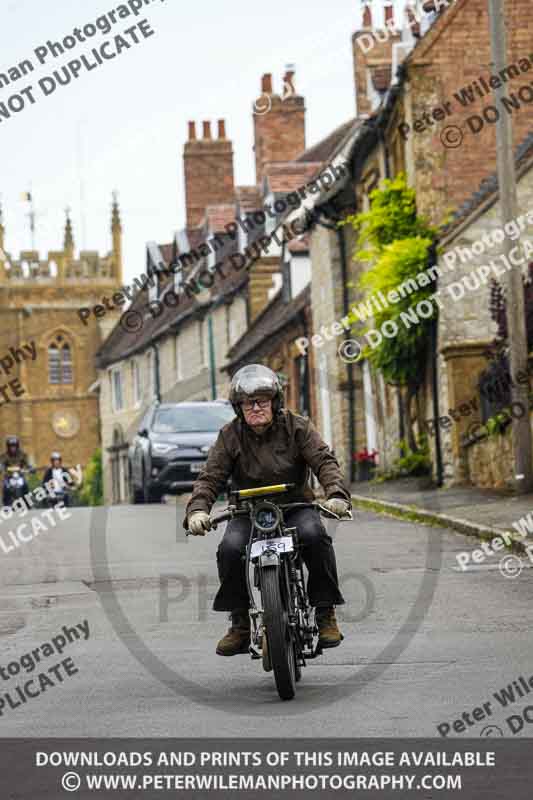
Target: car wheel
<point>149,495</point>
<point>137,495</point>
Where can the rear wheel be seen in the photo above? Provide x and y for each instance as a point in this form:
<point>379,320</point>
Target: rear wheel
<point>281,650</point>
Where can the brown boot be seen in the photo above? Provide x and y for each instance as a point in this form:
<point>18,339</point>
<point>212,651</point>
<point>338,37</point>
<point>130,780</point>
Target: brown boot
<point>237,639</point>
<point>329,634</point>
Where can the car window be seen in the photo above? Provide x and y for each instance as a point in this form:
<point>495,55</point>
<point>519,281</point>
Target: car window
<point>192,419</point>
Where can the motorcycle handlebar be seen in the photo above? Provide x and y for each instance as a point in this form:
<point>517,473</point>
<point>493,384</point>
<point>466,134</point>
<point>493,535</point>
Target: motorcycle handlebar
<point>218,518</point>
<point>236,512</point>
<point>348,516</point>
<point>226,515</point>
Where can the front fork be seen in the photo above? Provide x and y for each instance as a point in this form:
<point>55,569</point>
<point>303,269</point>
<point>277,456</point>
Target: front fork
<point>299,612</point>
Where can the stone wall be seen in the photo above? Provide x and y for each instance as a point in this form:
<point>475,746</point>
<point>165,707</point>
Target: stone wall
<point>490,461</point>
<point>465,325</point>
<point>437,70</point>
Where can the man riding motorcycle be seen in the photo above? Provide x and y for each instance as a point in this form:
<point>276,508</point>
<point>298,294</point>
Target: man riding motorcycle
<point>264,445</point>
<point>14,456</point>
<point>62,480</point>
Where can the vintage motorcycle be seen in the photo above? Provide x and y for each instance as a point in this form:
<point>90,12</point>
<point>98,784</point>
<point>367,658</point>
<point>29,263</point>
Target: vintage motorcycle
<point>283,630</point>
<point>14,484</point>
<point>59,496</point>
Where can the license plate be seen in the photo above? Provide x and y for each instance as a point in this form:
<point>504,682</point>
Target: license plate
<point>282,544</point>
<point>197,466</point>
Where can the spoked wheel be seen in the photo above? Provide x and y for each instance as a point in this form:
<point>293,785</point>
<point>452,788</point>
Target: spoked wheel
<point>281,650</point>
<point>297,667</point>
<point>267,665</point>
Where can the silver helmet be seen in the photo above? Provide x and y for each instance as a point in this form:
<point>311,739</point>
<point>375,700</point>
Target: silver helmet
<point>255,379</point>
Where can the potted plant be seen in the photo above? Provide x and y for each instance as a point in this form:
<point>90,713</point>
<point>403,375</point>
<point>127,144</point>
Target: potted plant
<point>366,464</point>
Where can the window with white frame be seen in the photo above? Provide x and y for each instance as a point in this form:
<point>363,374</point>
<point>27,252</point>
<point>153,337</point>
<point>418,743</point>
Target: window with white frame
<point>136,382</point>
<point>154,262</point>
<point>300,266</point>
<point>116,390</point>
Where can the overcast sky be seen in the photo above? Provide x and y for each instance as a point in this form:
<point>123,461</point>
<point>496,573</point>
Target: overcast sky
<point>123,125</point>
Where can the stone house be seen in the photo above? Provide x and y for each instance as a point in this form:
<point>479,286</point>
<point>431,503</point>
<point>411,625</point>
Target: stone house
<point>468,330</point>
<point>179,350</point>
<point>272,335</point>
<point>40,298</point>
<point>410,89</point>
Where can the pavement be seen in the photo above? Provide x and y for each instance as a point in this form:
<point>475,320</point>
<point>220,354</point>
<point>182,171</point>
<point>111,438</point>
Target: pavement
<point>478,512</point>
<point>424,640</point>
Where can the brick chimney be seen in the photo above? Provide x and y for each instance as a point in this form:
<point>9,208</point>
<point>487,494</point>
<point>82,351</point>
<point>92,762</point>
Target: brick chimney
<point>372,55</point>
<point>279,123</point>
<point>208,167</point>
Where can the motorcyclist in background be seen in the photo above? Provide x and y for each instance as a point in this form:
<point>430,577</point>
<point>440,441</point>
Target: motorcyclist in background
<point>264,445</point>
<point>61,477</point>
<point>14,456</point>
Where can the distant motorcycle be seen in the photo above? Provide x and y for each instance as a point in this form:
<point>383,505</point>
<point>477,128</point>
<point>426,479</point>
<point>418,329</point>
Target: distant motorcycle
<point>14,485</point>
<point>59,496</point>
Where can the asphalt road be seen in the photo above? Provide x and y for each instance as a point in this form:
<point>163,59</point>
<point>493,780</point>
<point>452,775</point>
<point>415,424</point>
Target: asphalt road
<point>424,642</point>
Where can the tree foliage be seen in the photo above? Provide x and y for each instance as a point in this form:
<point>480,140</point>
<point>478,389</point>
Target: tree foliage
<point>396,243</point>
<point>92,491</point>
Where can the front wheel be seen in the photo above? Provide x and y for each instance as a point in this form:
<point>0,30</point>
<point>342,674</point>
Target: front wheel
<point>280,645</point>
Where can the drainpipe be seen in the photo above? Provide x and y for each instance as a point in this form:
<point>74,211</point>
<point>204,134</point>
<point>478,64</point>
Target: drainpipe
<point>349,366</point>
<point>157,375</point>
<point>435,381</point>
<point>212,366</point>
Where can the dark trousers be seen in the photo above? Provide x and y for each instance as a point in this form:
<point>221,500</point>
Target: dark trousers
<point>317,553</point>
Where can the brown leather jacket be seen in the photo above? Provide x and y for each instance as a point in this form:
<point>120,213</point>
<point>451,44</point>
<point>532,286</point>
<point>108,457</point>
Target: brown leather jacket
<point>284,453</point>
<point>18,460</point>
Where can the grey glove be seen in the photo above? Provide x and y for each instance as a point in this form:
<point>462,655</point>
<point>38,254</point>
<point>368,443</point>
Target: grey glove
<point>199,523</point>
<point>337,506</point>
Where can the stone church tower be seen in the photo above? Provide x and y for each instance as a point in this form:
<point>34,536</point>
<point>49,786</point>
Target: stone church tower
<point>47,352</point>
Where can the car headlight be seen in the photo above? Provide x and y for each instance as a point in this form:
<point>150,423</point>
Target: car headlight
<point>159,447</point>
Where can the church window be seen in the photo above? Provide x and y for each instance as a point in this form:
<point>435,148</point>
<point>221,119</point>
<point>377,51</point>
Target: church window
<point>59,361</point>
